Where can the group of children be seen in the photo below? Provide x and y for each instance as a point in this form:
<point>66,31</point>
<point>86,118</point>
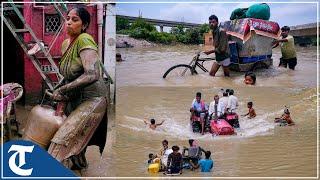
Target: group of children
<point>172,162</point>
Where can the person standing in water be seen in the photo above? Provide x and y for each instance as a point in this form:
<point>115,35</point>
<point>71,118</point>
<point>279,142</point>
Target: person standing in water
<point>221,49</point>
<point>174,163</point>
<point>164,153</point>
<point>205,164</point>
<point>289,56</point>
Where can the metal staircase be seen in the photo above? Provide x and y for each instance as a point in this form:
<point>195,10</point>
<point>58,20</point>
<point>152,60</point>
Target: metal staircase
<point>44,69</point>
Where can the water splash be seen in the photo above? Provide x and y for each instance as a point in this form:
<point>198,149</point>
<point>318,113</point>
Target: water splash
<point>260,125</point>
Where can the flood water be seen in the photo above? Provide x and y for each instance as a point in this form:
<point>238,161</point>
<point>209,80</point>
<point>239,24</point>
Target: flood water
<point>145,67</point>
<point>260,148</point>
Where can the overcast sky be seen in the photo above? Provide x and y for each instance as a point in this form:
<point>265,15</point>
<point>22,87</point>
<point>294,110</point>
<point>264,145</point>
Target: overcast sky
<point>288,13</point>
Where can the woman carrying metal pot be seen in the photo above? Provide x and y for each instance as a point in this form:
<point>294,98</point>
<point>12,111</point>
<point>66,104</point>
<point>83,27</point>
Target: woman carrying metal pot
<point>86,90</point>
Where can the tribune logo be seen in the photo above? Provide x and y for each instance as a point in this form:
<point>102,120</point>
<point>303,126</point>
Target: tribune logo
<point>21,151</point>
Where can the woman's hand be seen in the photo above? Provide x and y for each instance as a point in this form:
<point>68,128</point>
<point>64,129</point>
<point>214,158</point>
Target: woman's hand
<point>57,95</point>
<point>90,61</point>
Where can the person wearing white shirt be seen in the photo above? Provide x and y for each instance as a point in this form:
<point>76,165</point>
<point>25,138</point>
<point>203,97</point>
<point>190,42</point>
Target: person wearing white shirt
<point>232,102</point>
<point>164,153</point>
<point>223,103</point>
<point>213,108</point>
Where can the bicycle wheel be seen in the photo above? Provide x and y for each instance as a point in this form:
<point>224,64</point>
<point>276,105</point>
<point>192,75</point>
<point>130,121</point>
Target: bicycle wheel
<point>179,70</point>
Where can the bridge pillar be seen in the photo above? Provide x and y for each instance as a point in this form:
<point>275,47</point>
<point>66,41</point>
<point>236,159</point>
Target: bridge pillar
<point>161,28</point>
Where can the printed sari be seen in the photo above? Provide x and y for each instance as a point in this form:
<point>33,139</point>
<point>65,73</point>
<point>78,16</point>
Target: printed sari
<point>86,123</point>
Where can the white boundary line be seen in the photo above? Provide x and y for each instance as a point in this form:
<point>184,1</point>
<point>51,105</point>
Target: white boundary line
<point>317,89</point>
<point>170,177</point>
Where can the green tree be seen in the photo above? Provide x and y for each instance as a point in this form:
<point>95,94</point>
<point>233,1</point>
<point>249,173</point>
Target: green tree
<point>122,24</point>
<point>204,28</point>
<point>141,29</point>
<point>177,30</point>
<point>161,37</point>
<point>193,36</point>
<point>140,23</point>
<point>139,33</point>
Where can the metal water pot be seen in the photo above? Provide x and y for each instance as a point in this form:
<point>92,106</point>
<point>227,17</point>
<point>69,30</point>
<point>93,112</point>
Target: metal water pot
<point>42,124</point>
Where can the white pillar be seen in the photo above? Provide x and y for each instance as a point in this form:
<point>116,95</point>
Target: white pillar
<point>110,47</point>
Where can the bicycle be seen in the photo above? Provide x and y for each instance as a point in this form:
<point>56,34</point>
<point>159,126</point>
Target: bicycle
<point>188,69</point>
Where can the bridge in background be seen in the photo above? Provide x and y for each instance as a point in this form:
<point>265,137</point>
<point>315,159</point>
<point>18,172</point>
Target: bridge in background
<point>304,30</point>
<point>161,23</point>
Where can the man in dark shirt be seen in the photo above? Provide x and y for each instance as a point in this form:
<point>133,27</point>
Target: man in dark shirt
<point>174,161</point>
<point>220,43</point>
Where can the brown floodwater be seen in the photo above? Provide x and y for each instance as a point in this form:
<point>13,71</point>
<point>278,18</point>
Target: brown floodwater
<point>145,67</point>
<point>260,148</point>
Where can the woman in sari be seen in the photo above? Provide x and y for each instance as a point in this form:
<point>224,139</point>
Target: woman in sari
<point>86,90</point>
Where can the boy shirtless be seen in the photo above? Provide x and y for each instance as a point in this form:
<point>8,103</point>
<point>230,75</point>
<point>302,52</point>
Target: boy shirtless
<point>252,112</point>
<point>285,119</point>
<point>152,124</point>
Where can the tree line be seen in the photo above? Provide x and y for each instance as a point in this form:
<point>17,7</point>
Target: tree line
<point>140,29</point>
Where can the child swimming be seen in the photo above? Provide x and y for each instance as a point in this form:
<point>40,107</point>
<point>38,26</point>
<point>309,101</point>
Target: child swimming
<point>285,119</point>
<point>152,124</point>
<point>249,78</point>
<point>252,112</point>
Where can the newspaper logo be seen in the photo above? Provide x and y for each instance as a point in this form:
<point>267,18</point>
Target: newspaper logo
<point>21,151</point>
<point>25,159</point>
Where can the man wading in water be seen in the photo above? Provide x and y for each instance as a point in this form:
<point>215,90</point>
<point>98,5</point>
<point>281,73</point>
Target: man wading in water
<point>220,42</point>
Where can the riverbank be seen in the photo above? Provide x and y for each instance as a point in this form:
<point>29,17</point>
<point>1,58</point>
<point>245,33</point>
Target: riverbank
<point>124,41</point>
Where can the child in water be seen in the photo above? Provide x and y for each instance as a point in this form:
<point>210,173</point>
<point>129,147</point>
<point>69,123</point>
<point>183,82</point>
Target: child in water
<point>252,112</point>
<point>205,164</point>
<point>151,158</point>
<point>249,78</point>
<point>152,124</point>
<point>285,119</point>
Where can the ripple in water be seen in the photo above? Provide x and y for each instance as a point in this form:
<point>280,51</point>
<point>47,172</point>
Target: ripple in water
<point>260,125</point>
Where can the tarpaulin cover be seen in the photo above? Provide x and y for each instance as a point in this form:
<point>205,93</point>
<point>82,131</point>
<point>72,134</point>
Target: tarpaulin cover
<point>243,28</point>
